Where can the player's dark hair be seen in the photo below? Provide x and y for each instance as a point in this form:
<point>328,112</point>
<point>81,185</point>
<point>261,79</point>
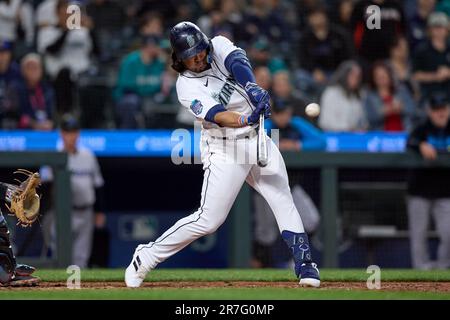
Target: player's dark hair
<point>177,64</point>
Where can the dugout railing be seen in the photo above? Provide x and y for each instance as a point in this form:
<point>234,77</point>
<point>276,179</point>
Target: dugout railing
<point>62,200</point>
<point>329,165</point>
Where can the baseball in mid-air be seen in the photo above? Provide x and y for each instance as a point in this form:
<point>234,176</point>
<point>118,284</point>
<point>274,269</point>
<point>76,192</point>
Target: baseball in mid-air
<point>312,110</point>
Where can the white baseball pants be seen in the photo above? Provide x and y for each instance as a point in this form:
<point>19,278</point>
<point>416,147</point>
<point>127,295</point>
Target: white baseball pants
<point>227,165</point>
<point>420,210</point>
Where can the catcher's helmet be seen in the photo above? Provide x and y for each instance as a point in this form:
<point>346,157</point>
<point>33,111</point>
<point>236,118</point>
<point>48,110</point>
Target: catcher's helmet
<point>187,40</point>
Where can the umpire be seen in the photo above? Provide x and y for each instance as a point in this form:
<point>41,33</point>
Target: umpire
<point>428,191</point>
<point>86,183</point>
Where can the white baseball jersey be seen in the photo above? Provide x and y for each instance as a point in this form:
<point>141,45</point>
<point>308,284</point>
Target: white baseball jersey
<point>199,92</point>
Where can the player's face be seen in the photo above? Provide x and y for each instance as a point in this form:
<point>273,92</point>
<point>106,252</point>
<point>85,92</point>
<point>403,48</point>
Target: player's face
<point>197,63</point>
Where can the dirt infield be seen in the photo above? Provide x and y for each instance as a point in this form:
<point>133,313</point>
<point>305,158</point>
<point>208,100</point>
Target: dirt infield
<point>438,287</point>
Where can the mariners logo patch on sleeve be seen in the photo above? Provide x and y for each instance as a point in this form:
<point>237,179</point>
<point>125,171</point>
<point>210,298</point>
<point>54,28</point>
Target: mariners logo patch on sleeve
<point>196,107</point>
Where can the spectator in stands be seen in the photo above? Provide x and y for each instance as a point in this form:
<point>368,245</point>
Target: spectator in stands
<point>109,17</point>
<point>263,77</point>
<point>431,61</point>
<point>417,24</point>
<point>9,11</point>
<point>185,10</point>
<point>400,62</point>
<point>107,14</point>
<point>295,134</point>
<point>46,14</point>
<point>260,53</point>
<point>341,102</point>
<point>304,7</point>
<point>165,8</point>
<point>9,75</point>
<point>222,19</point>
<point>444,6</point>
<point>341,14</point>
<point>35,96</point>
<point>371,43</point>
<point>150,24</point>
<point>428,192</point>
<point>262,20</point>
<point>283,94</point>
<point>167,93</point>
<point>139,80</point>
<point>322,48</point>
<point>17,23</point>
<point>388,105</point>
<point>26,27</point>
<point>67,54</point>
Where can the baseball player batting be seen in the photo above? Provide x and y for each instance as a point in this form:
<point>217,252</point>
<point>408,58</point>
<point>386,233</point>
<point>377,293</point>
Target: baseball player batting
<point>216,83</point>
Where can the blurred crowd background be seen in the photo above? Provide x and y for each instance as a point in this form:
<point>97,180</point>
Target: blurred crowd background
<point>114,72</point>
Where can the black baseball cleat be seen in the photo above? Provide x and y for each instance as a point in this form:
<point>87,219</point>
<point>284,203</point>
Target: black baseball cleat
<point>24,270</point>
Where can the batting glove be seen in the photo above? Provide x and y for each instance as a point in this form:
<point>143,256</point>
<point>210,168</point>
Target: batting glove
<point>262,107</point>
<point>256,93</point>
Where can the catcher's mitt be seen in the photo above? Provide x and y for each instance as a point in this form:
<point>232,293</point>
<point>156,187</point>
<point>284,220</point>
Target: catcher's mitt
<point>25,202</point>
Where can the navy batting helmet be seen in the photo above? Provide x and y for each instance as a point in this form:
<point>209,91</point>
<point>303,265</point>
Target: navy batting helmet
<point>187,40</point>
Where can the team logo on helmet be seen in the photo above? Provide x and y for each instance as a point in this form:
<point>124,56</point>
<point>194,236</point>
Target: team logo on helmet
<point>196,107</point>
<point>190,40</point>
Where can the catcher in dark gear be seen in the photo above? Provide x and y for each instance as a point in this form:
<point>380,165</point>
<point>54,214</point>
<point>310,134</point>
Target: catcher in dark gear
<point>23,202</point>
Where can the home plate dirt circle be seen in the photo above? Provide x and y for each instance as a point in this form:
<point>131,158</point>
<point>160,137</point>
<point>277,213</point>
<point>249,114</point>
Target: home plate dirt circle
<point>325,285</point>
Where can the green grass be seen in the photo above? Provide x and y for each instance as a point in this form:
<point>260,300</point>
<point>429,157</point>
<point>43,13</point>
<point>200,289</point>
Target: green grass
<point>228,292</point>
<point>221,294</point>
<point>248,275</point>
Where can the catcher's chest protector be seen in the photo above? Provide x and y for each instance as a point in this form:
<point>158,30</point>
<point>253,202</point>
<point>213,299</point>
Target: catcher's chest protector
<point>7,258</point>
